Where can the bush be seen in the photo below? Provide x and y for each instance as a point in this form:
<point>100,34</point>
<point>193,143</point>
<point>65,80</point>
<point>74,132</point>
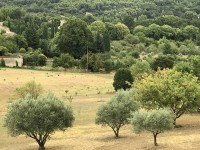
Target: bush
<point>164,61</point>
<point>135,54</point>
<point>31,88</point>
<point>122,79</point>
<point>108,65</point>
<point>42,60</point>
<point>3,50</point>
<point>3,64</point>
<point>22,50</point>
<point>34,59</point>
<point>65,61</point>
<point>96,62</point>
<point>141,67</point>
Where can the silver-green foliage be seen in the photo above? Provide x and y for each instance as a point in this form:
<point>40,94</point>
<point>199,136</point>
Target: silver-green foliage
<point>38,118</point>
<point>115,113</point>
<point>155,121</point>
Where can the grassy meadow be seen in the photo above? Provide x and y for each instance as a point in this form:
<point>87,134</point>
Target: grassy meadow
<point>88,91</point>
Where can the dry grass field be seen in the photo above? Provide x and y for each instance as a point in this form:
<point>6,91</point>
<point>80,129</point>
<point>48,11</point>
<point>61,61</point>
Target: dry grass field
<point>89,91</point>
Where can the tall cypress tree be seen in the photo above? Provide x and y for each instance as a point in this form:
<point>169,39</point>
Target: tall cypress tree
<point>32,36</point>
<point>45,32</point>
<point>106,41</point>
<point>52,29</point>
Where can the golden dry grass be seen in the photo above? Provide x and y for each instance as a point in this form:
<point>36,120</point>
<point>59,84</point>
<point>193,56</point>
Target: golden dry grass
<point>92,90</point>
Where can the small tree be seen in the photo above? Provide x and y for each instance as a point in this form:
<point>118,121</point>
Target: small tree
<point>3,50</point>
<point>3,64</point>
<point>139,68</point>
<point>42,60</point>
<point>31,88</point>
<point>155,121</point>
<point>17,64</point>
<point>122,79</point>
<point>116,112</point>
<point>38,118</point>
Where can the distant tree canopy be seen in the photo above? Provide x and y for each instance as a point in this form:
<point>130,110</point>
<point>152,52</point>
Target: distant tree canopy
<point>160,32</point>
<point>108,9</point>
<point>75,37</point>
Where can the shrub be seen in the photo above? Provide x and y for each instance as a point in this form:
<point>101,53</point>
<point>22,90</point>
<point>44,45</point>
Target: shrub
<point>3,50</point>
<point>65,61</point>
<point>3,64</point>
<point>122,79</point>
<point>42,60</point>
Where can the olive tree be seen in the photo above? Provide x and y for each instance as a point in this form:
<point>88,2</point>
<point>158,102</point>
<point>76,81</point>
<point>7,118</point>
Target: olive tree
<point>115,113</point>
<point>155,121</point>
<point>38,118</point>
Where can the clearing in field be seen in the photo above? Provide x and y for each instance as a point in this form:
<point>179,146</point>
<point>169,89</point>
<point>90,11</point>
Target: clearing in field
<point>89,91</point>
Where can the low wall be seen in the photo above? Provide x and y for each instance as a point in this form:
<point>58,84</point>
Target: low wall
<point>11,61</point>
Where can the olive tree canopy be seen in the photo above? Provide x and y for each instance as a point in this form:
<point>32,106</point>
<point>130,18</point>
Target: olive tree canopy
<point>38,118</point>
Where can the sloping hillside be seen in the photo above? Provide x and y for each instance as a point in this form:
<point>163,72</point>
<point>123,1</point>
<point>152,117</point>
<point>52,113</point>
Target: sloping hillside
<point>7,30</point>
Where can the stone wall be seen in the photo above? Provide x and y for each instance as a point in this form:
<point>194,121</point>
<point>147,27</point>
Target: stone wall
<point>11,61</point>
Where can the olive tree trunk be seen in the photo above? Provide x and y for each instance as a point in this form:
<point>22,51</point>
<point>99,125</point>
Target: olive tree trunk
<point>116,131</point>
<point>155,139</point>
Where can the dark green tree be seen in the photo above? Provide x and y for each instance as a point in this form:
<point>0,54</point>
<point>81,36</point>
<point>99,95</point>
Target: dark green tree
<point>21,41</point>
<point>2,63</point>
<point>122,79</point>
<point>75,37</point>
<point>164,61</point>
<point>52,29</point>
<point>32,36</point>
<point>45,33</point>
<point>128,20</point>
<point>106,41</point>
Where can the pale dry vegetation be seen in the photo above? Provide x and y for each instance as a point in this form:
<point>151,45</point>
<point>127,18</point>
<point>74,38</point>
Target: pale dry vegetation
<point>89,91</point>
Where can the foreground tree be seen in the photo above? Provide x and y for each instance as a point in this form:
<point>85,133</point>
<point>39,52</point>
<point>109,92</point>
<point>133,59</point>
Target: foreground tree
<point>116,112</point>
<point>169,88</point>
<point>156,121</point>
<point>38,118</point>
<point>122,79</point>
<point>31,88</point>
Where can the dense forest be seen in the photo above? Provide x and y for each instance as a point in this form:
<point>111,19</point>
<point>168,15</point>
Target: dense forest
<point>109,8</point>
<point>114,34</point>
